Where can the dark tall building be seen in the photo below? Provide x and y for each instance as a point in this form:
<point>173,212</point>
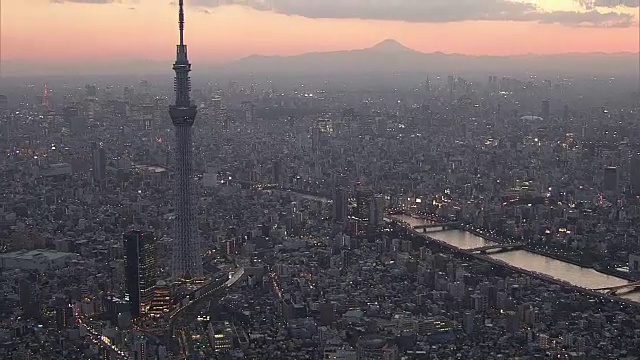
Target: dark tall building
<point>73,117</point>
<point>346,258</point>
<point>25,292</point>
<point>99,166</point>
<point>315,140</point>
<point>368,209</point>
<point>277,172</point>
<point>634,174</point>
<point>63,317</point>
<point>364,199</point>
<point>610,179</point>
<point>140,269</point>
<point>340,205</point>
<point>545,111</point>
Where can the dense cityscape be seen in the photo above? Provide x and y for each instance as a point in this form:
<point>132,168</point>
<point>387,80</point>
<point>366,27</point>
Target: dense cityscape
<point>389,217</point>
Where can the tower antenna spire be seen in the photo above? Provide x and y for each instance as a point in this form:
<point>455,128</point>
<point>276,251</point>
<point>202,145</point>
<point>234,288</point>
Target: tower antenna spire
<point>181,21</point>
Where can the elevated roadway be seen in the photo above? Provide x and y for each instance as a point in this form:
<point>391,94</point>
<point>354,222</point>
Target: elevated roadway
<point>216,291</point>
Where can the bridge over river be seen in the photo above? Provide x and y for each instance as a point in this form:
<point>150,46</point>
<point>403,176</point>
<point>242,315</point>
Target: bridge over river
<point>520,258</point>
<point>613,290</point>
<point>500,247</point>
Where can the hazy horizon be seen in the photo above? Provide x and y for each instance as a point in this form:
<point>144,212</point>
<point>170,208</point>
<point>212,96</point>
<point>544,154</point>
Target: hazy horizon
<point>54,36</point>
<point>388,55</point>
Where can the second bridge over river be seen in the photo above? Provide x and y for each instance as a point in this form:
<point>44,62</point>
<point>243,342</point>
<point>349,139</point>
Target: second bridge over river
<point>518,256</point>
<point>613,290</point>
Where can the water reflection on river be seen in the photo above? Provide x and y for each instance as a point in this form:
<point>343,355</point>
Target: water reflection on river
<point>460,239</point>
<point>523,259</point>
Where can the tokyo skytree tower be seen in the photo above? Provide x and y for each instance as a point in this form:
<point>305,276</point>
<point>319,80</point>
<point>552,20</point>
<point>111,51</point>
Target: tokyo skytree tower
<point>187,257</point>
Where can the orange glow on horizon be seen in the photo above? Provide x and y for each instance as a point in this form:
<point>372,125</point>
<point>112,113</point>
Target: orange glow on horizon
<point>36,30</point>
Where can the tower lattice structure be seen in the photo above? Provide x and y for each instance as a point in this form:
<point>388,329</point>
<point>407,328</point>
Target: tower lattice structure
<point>187,257</point>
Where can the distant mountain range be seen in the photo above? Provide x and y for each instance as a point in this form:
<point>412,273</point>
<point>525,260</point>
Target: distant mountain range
<point>387,57</point>
<point>391,56</point>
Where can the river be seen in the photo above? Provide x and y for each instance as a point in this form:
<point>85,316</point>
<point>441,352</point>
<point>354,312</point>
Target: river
<point>574,274</point>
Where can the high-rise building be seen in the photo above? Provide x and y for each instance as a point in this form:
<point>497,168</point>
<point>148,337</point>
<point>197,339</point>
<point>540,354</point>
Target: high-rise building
<point>375,212</point>
<point>277,172</point>
<point>634,174</point>
<point>369,208</point>
<point>220,112</point>
<point>25,292</point>
<point>187,258</point>
<point>216,103</point>
<point>364,197</point>
<point>63,317</point>
<point>340,205</point>
<point>140,257</point>
<point>249,111</point>
<point>346,258</point>
<point>316,135</point>
<point>545,111</point>
<point>99,160</point>
<point>610,179</point>
<point>72,116</point>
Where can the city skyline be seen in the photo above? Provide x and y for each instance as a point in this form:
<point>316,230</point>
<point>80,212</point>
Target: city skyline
<point>391,202</point>
<point>38,31</point>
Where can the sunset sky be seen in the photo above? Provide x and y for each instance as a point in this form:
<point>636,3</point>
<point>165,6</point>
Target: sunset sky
<point>69,31</point>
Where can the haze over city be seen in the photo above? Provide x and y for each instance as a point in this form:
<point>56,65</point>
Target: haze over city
<point>99,36</point>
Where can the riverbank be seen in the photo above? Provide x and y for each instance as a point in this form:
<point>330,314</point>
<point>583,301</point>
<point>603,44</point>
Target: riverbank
<point>605,271</point>
<point>551,279</point>
<point>538,275</point>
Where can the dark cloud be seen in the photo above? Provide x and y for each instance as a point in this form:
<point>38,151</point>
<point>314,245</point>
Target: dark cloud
<point>590,18</point>
<point>592,4</point>
<point>432,11</point>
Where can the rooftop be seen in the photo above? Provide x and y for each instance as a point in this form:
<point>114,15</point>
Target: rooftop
<point>30,254</point>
